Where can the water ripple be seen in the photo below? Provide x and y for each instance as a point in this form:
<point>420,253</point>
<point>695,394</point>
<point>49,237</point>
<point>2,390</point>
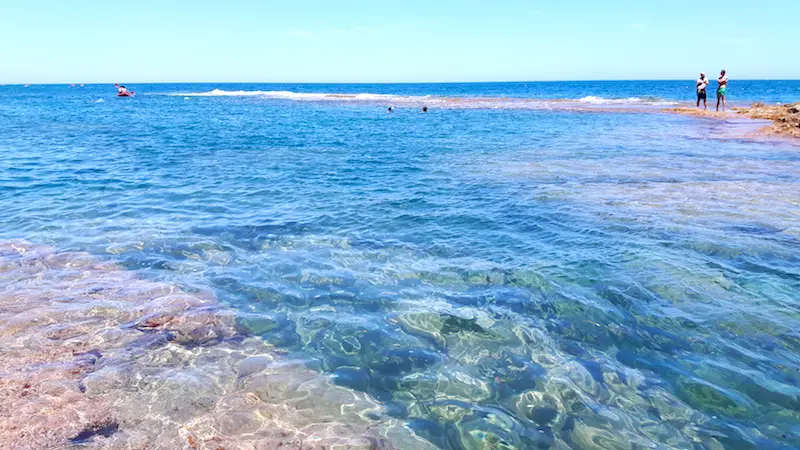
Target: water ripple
<point>486,278</point>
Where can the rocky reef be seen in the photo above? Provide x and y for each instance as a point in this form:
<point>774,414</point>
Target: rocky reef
<point>92,355</point>
<point>785,118</point>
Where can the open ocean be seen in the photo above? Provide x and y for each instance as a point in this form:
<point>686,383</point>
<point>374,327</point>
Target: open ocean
<point>254,265</point>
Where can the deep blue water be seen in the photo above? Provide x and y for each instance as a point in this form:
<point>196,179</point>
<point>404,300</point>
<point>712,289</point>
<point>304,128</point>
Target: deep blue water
<point>494,276</point>
<point>739,91</point>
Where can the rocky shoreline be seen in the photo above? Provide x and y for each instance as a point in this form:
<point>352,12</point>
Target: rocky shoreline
<point>785,118</point>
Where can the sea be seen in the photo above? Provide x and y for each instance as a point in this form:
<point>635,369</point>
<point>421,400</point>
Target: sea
<point>544,265</point>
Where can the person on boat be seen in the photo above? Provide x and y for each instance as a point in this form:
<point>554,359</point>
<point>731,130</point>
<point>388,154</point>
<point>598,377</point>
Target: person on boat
<point>722,89</point>
<point>122,90</point>
<point>702,84</point>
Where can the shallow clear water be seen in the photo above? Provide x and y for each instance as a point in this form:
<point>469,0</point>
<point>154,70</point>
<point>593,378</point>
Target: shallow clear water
<point>492,277</point>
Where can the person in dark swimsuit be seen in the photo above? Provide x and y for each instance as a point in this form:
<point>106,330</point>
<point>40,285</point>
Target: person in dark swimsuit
<point>702,84</point>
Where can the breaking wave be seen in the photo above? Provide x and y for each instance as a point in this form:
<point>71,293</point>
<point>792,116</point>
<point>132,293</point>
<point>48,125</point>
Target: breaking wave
<point>656,101</point>
<point>289,95</point>
<point>450,102</point>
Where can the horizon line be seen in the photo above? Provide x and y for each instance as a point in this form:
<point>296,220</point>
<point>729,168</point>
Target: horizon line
<point>56,83</point>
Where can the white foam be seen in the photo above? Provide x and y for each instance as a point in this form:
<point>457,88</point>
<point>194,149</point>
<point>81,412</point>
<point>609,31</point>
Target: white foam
<point>221,93</point>
<point>591,99</point>
<point>99,100</point>
<point>307,96</point>
<point>603,101</point>
<point>594,100</point>
<point>415,101</point>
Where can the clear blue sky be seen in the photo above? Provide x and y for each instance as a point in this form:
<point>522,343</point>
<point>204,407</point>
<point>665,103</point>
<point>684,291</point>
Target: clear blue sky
<point>384,41</point>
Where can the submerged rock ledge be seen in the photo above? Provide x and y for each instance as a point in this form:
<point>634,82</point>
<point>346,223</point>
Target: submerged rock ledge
<point>785,118</point>
<point>92,355</point>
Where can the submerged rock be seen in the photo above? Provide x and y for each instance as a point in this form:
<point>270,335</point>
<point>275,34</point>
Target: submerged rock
<point>785,118</point>
<point>91,355</point>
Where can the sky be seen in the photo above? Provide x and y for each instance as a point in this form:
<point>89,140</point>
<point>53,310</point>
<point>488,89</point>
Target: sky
<point>93,41</point>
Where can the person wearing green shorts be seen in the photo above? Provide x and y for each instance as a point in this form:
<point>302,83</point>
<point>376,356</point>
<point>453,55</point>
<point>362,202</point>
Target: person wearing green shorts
<point>722,89</point>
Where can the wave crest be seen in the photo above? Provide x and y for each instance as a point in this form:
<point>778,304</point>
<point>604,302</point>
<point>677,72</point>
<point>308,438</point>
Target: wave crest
<point>309,96</point>
<point>449,102</point>
<point>657,101</point>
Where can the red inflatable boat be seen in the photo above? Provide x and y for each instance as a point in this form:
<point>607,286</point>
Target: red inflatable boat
<point>127,93</point>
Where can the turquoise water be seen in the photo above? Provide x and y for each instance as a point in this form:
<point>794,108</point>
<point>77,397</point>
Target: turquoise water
<point>494,276</point>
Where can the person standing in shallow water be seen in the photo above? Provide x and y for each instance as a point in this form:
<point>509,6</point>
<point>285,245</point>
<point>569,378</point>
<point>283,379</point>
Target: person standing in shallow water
<point>722,89</point>
<point>702,84</point>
